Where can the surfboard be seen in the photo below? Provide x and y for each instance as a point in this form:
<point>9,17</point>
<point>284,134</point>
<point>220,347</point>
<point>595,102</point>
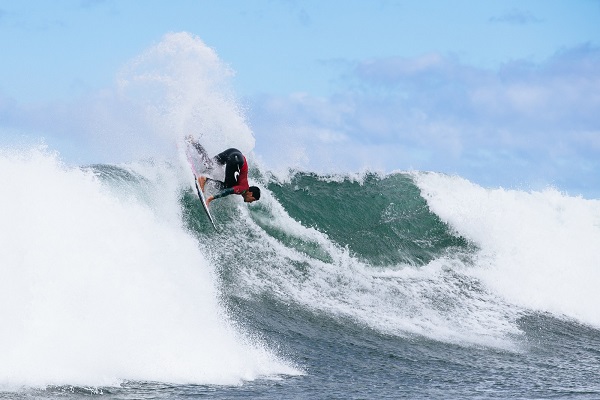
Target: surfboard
<point>203,201</point>
<point>196,165</point>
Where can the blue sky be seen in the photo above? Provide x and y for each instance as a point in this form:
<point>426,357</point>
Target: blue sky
<point>500,92</point>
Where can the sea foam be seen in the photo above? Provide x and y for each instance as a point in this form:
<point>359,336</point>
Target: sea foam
<point>97,288</point>
<point>539,249</point>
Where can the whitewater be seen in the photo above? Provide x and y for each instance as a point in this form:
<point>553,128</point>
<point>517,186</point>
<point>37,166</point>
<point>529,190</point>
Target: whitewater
<point>357,285</point>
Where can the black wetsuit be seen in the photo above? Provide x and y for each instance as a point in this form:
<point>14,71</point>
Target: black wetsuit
<point>236,170</point>
<point>234,161</point>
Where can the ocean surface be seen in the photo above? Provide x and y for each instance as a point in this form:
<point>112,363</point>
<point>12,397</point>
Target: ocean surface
<point>409,285</point>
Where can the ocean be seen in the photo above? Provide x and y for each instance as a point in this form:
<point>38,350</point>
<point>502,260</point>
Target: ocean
<point>405,285</point>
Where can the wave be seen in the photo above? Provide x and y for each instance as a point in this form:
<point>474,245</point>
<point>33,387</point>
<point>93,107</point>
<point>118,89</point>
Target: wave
<point>104,283</point>
<point>393,253</point>
<point>115,274</point>
<point>369,251</point>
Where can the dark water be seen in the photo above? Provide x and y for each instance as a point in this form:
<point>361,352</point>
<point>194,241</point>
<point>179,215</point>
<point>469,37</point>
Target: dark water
<point>361,287</point>
<point>345,361</point>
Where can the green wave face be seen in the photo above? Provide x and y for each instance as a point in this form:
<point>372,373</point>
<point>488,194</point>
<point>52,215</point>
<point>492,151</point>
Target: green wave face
<point>384,221</point>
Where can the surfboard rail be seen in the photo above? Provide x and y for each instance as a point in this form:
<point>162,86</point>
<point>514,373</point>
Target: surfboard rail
<point>198,190</point>
<point>203,201</point>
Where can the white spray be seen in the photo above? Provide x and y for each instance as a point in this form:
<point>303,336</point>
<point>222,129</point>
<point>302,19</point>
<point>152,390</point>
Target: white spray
<point>97,286</point>
<point>539,250</point>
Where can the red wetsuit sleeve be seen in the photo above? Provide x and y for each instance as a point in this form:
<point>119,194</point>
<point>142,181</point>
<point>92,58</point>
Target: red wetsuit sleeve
<point>242,183</point>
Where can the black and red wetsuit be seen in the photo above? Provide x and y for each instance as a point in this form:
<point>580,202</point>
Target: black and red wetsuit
<point>236,172</point>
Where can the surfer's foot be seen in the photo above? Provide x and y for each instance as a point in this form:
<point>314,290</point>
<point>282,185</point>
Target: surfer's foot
<point>201,182</point>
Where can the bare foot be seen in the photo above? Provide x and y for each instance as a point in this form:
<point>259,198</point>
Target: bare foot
<point>202,182</point>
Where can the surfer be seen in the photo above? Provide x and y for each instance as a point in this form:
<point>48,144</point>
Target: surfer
<point>236,175</point>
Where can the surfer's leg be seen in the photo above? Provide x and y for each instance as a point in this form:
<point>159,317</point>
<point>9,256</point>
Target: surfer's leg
<point>223,157</point>
<point>233,161</point>
<point>232,169</point>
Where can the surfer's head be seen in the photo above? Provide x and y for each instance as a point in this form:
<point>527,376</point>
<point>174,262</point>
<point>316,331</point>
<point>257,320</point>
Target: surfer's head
<point>252,194</point>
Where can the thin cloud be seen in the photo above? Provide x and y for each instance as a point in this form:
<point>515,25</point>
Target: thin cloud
<point>520,124</point>
<point>516,17</point>
<point>561,90</point>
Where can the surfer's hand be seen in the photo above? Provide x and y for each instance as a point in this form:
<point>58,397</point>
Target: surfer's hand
<point>211,198</point>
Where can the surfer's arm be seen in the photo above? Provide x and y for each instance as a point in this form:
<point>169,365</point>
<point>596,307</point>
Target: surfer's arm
<point>222,193</point>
